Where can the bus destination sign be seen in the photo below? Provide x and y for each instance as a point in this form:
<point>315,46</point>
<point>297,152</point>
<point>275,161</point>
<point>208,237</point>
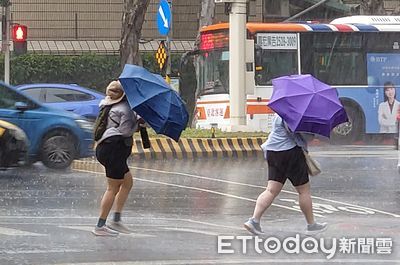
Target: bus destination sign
<point>277,41</point>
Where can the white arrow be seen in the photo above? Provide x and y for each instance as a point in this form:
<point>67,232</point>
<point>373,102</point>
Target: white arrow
<point>163,17</point>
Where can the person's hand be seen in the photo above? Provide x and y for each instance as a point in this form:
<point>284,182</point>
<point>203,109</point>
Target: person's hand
<point>141,123</point>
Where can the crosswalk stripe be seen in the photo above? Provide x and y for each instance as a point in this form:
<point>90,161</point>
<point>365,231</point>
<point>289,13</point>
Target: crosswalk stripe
<point>196,231</point>
<point>17,232</point>
<point>90,228</point>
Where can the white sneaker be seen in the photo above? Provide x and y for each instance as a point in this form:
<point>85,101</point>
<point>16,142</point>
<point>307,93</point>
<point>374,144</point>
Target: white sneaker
<point>316,228</point>
<point>253,227</point>
<point>119,226</point>
<point>104,231</point>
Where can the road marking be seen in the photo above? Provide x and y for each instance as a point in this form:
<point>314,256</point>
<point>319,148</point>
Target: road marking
<point>236,261</point>
<point>175,229</point>
<point>208,191</point>
<point>90,228</point>
<point>45,251</point>
<point>16,232</point>
<point>218,193</point>
<point>257,186</point>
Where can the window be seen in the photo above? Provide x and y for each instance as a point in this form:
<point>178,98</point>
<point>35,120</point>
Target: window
<point>9,97</point>
<point>385,42</point>
<point>335,58</point>
<point>35,93</point>
<point>56,95</point>
<point>215,72</point>
<point>274,63</point>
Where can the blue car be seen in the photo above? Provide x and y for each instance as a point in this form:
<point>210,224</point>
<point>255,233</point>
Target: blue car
<point>56,136</point>
<point>80,100</point>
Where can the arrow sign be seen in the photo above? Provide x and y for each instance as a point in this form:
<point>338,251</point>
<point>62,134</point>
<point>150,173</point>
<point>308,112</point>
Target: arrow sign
<point>163,17</point>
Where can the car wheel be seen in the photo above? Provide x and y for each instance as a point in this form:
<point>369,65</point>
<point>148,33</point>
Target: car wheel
<point>58,151</point>
<point>350,131</point>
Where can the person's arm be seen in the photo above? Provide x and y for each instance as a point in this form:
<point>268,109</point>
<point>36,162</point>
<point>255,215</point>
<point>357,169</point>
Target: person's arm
<point>296,137</point>
<point>127,124</point>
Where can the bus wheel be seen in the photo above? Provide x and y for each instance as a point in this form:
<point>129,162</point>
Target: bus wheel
<point>350,131</point>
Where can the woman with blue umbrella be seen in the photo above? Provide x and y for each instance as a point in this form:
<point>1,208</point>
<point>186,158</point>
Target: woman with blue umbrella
<point>113,149</point>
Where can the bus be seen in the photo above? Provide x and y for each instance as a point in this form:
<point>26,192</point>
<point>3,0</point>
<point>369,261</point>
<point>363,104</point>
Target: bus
<point>356,55</point>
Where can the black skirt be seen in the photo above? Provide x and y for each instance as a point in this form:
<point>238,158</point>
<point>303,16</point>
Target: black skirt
<point>113,153</point>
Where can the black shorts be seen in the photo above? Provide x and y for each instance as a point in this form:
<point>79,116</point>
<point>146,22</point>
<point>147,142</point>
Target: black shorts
<point>112,153</point>
<point>289,164</point>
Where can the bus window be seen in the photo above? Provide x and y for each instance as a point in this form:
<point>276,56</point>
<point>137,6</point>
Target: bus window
<point>337,59</point>
<point>383,42</point>
<point>275,63</point>
<point>215,72</point>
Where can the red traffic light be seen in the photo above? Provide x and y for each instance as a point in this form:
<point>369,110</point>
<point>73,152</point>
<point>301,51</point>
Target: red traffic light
<point>19,33</point>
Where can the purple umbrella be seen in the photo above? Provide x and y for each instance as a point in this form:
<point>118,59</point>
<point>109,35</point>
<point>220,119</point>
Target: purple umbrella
<point>307,104</point>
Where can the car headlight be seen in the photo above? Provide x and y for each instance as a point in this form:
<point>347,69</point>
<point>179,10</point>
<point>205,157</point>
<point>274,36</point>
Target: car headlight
<point>85,125</point>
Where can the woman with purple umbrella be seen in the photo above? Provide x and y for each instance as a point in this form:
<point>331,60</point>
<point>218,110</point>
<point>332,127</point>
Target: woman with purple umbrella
<point>286,160</point>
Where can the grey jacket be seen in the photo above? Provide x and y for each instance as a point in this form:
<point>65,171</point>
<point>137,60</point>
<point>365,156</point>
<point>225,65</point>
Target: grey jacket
<point>122,120</point>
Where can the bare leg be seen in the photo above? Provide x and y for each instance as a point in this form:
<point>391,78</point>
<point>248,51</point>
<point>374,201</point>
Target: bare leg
<point>123,192</point>
<point>113,186</point>
<point>266,198</point>
<point>306,202</point>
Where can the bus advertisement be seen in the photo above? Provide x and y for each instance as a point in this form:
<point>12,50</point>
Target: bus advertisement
<point>358,56</point>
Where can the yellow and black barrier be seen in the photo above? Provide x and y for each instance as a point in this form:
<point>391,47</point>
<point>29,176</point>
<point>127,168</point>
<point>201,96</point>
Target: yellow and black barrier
<point>164,148</point>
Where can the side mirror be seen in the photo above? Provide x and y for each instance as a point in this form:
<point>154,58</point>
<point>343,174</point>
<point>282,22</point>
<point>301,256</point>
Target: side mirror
<point>21,106</point>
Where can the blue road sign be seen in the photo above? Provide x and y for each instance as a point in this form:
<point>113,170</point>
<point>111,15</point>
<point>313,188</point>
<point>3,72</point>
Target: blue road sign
<point>163,17</point>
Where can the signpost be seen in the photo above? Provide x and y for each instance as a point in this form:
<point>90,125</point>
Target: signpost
<point>161,55</point>
<point>164,21</point>
<point>164,18</point>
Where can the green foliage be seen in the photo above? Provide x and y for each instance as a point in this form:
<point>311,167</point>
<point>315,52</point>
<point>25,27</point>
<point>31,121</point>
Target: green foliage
<point>89,70</point>
<point>5,3</point>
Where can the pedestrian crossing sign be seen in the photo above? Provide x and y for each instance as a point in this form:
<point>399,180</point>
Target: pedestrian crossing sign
<point>161,55</point>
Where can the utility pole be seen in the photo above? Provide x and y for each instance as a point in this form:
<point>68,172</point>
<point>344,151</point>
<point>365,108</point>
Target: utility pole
<point>237,61</point>
<point>168,70</point>
<point>6,38</point>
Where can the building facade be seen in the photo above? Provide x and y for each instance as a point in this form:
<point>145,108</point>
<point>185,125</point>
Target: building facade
<point>96,24</point>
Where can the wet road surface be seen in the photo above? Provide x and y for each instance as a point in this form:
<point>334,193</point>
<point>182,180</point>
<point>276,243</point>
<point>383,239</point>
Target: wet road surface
<point>177,209</point>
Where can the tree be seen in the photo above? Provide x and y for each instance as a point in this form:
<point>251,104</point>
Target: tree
<point>5,3</point>
<point>132,22</point>
<point>207,14</point>
<point>188,82</point>
<point>372,7</point>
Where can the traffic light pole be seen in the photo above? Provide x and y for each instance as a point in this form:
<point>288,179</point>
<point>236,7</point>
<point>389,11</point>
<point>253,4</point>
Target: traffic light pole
<point>6,44</point>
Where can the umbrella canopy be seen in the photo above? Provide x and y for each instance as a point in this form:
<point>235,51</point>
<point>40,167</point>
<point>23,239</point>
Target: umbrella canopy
<point>154,100</point>
<point>307,104</point>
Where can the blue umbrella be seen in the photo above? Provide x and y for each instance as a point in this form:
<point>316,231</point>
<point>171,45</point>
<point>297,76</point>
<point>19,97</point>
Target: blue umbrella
<point>154,100</point>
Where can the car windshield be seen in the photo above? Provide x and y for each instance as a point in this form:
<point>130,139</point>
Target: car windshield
<point>215,76</point>
<point>9,97</point>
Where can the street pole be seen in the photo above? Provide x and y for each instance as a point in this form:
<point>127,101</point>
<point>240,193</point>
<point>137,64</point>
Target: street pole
<point>6,44</point>
<point>168,70</point>
<point>237,62</point>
